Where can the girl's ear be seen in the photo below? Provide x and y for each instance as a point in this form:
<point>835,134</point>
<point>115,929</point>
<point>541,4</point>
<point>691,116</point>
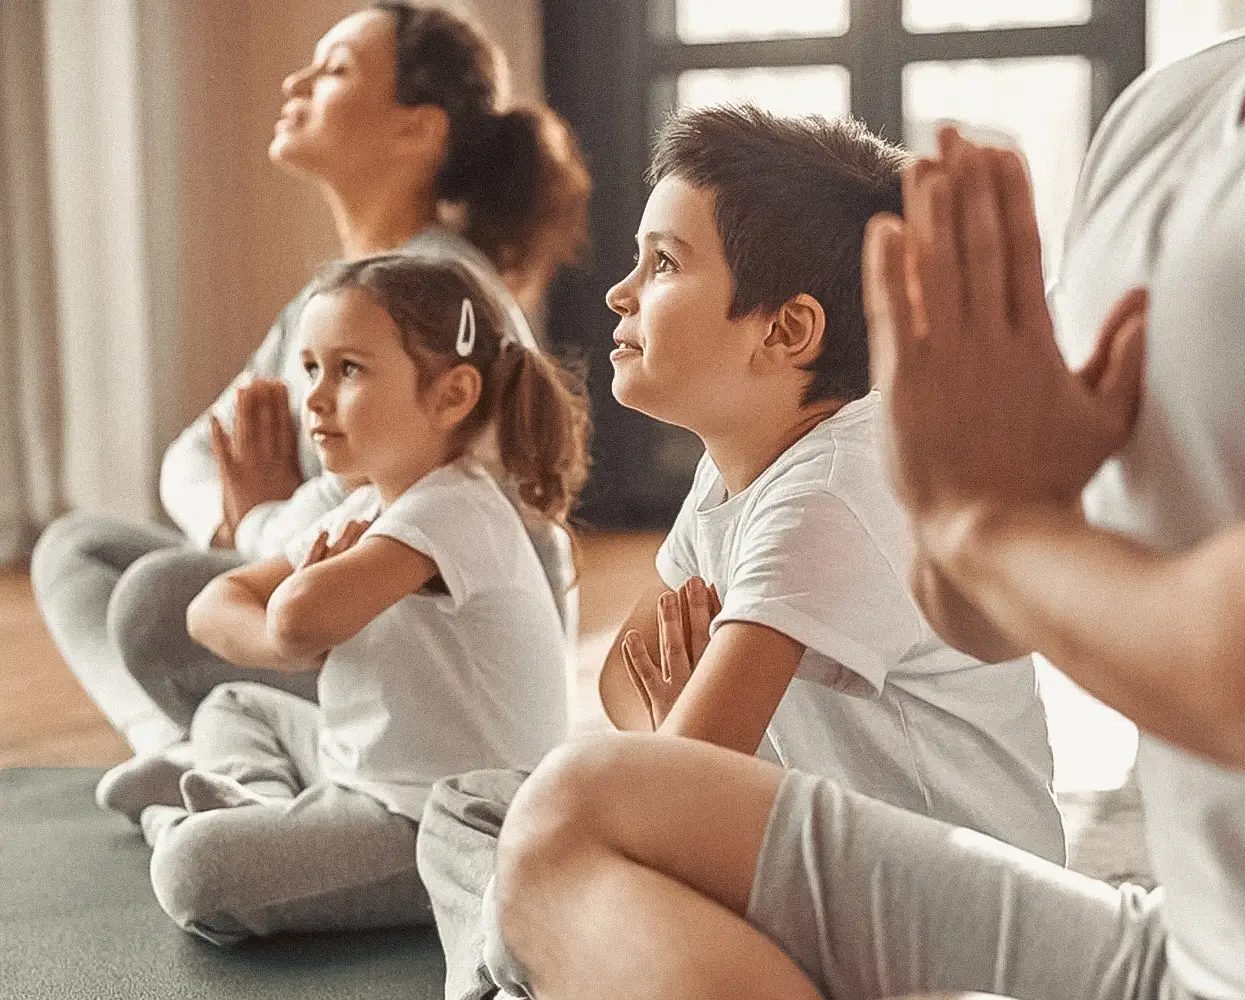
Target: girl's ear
<point>454,395</point>
<point>796,332</point>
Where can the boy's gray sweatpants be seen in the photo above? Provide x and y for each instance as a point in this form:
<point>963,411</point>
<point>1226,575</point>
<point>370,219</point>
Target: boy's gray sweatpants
<point>114,596</point>
<point>868,899</point>
<point>321,858</point>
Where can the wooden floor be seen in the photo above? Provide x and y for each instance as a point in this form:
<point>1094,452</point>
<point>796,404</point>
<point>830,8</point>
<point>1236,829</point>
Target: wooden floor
<point>47,720</point>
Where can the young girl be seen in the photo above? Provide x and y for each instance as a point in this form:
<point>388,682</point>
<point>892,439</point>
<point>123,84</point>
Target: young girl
<point>421,595</point>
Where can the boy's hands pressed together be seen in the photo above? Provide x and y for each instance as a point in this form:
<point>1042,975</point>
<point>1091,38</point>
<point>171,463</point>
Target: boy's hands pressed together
<point>258,462</point>
<point>983,412</point>
<point>683,620</point>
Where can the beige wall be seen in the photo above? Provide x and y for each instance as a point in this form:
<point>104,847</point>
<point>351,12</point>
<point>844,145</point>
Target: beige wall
<point>281,224</point>
<point>177,242</point>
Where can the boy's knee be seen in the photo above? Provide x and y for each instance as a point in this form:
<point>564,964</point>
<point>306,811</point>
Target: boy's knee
<point>557,812</point>
<point>190,874</point>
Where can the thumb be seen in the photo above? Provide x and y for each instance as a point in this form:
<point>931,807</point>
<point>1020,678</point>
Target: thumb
<point>1118,389</point>
<point>1130,305</point>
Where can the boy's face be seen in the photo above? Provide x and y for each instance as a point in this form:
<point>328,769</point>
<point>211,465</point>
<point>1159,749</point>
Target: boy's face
<point>679,358</point>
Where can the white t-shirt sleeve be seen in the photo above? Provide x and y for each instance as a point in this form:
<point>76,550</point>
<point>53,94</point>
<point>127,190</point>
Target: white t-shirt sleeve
<point>809,569</point>
<point>453,519</point>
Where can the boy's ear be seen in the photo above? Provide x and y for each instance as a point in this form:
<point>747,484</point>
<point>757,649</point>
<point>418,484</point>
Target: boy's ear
<point>455,395</point>
<point>796,330</point>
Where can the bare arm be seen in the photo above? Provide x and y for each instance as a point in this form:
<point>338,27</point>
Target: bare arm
<point>956,620</point>
<point>736,687</point>
<point>623,704</point>
<point>992,439</point>
<point>324,604</point>
<point>1160,638</point>
<point>229,616</point>
<point>722,690</point>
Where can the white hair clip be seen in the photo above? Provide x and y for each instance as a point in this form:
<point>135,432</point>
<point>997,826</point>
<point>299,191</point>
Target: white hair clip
<point>466,330</point>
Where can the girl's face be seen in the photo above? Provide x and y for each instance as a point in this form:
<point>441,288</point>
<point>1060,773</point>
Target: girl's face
<point>341,120</point>
<point>678,356</point>
<point>364,410</point>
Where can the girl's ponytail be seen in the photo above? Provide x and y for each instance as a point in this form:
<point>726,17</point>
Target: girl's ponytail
<point>543,427</point>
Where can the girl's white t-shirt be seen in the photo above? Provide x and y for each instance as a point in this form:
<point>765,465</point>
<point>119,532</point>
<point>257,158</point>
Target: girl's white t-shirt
<point>818,549</point>
<point>449,679</point>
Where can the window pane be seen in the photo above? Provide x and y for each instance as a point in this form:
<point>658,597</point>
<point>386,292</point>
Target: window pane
<point>786,90</point>
<point>1040,105</point>
<point>953,15</point>
<point>733,20</point>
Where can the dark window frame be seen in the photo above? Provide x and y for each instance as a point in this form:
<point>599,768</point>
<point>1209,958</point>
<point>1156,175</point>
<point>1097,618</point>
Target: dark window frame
<point>605,60</point>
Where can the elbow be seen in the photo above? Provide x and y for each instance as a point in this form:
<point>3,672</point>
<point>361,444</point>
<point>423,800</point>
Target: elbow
<point>201,615</point>
<point>293,630</point>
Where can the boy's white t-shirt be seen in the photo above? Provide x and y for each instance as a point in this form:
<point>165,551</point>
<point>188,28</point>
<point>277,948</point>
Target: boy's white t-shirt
<point>1161,203</point>
<point>442,683</point>
<point>818,549</point>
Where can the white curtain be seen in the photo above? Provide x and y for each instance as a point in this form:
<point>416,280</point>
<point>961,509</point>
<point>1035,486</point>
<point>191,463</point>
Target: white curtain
<point>30,434</point>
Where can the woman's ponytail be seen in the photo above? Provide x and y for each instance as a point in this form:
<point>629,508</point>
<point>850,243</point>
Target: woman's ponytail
<point>523,188</point>
<point>518,177</point>
<point>543,428</point>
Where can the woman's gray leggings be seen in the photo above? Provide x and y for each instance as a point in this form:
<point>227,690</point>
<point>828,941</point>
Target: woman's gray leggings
<point>114,596</point>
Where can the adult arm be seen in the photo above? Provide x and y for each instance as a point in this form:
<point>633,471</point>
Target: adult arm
<point>962,340</point>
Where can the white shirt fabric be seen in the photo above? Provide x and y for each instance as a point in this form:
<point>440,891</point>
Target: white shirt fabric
<point>442,683</point>
<point>818,549</point>
<point>190,487</point>
<point>1161,202</point>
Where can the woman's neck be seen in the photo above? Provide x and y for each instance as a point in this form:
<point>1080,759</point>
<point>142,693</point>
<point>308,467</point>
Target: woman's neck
<point>373,219</point>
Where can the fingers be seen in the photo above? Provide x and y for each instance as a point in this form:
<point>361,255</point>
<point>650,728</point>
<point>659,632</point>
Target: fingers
<point>696,607</point>
<point>931,262</point>
<point>675,665</point>
<point>244,402</point>
<point>350,534</point>
<point>645,675</point>
<point>1117,390</point>
<point>715,602</point>
<point>978,232</point>
<point>888,313</point>
<point>222,447</point>
<point>1026,285</point>
<point>1131,304</point>
<point>319,549</point>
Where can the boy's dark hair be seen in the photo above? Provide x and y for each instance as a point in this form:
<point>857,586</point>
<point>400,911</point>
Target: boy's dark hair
<point>792,200</point>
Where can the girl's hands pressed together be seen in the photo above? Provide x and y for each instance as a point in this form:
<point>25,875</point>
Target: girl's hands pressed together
<point>683,620</point>
<point>322,550</point>
<point>983,412</point>
<point>258,462</point>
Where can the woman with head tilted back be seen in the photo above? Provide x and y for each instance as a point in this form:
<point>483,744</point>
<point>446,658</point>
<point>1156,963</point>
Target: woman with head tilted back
<point>396,121</point>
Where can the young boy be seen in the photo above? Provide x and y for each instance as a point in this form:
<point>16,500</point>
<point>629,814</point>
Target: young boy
<point>742,321</point>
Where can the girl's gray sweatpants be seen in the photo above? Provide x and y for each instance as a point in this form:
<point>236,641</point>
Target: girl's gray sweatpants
<point>319,857</point>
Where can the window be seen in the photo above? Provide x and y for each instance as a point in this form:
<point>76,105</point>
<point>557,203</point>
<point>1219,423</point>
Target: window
<point>1039,72</point>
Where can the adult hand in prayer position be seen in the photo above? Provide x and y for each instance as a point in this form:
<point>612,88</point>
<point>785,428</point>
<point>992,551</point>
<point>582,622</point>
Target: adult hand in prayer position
<point>984,415</point>
<point>258,462</point>
<point>683,619</point>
